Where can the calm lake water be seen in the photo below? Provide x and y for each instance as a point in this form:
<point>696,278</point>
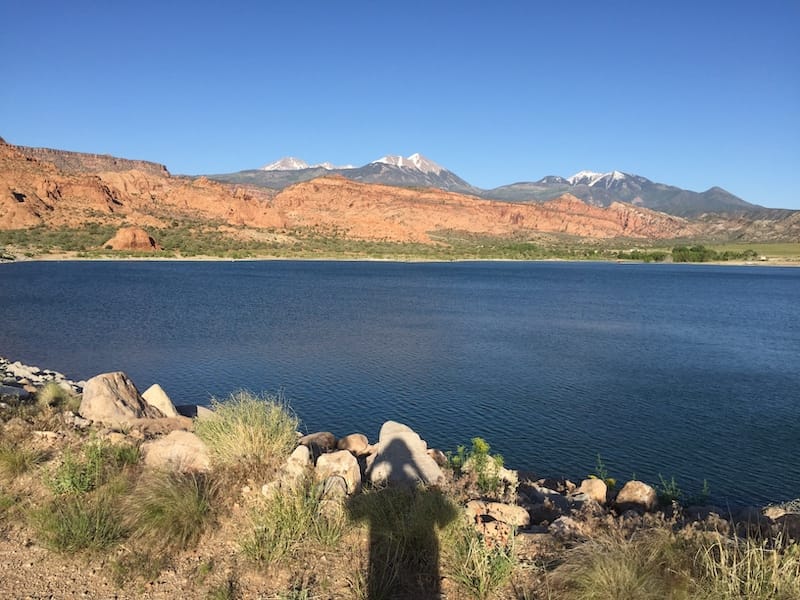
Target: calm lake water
<point>681,370</point>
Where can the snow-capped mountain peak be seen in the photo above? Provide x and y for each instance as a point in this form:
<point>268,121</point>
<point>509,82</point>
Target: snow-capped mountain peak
<point>290,163</point>
<point>591,178</point>
<point>415,161</point>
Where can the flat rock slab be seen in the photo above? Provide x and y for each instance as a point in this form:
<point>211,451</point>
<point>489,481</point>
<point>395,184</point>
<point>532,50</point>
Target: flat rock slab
<point>401,457</point>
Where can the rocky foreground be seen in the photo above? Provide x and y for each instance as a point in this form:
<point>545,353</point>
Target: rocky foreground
<point>533,521</point>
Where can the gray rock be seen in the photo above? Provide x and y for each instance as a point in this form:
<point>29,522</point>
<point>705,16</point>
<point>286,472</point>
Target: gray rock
<point>113,399</point>
<point>401,457</point>
<point>319,443</point>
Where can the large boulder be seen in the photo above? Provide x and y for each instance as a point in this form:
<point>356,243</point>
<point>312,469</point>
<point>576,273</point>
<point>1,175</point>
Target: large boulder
<point>112,398</point>
<point>343,464</point>
<point>401,457</point>
<point>638,496</point>
<point>156,396</point>
<point>132,238</point>
<point>179,451</point>
<point>319,442</point>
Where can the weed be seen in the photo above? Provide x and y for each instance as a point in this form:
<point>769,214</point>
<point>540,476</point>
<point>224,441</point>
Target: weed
<point>479,569</point>
<point>479,462</point>
<point>668,491</point>
<point>98,463</point>
<point>79,523</point>
<point>601,473</point>
<point>249,431</point>
<point>286,519</point>
<point>170,510</point>
<point>16,459</point>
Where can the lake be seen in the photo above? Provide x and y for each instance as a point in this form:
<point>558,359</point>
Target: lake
<point>691,371</point>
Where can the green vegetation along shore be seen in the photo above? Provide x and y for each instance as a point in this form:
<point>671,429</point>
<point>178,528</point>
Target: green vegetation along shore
<point>195,239</point>
<point>107,492</point>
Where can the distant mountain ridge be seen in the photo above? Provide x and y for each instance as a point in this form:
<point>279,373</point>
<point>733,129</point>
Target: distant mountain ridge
<point>598,189</point>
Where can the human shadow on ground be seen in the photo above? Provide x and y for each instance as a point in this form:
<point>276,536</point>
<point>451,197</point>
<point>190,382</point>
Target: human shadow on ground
<point>403,517</point>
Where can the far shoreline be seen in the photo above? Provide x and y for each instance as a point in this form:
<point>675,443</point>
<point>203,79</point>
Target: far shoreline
<point>70,257</point>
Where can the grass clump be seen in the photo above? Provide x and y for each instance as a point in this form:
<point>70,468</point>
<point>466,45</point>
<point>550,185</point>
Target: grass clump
<point>650,565</point>
<point>249,431</point>
<point>749,569</point>
<point>169,510</point>
<point>290,518</point>
<point>54,396</point>
<point>98,463</point>
<point>81,522</point>
<point>480,569</point>
<point>16,459</point>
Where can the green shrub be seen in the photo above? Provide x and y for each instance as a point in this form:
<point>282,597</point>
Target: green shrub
<point>97,463</point>
<point>170,510</point>
<point>249,431</point>
<point>80,522</point>
<point>479,462</point>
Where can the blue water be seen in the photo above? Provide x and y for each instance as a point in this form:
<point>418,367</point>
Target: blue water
<point>682,370</point>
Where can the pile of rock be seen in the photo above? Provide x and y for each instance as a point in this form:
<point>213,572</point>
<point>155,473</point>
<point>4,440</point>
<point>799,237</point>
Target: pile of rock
<point>20,382</point>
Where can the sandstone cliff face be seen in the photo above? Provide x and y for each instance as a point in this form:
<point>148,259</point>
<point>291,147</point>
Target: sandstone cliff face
<point>80,162</point>
<point>73,189</point>
<point>369,211</point>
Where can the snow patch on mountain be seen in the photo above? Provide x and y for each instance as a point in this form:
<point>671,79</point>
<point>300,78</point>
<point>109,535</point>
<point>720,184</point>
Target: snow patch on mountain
<point>290,163</point>
<point>591,178</point>
<point>415,161</point>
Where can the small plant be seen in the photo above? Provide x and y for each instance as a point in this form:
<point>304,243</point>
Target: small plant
<point>668,491</point>
<point>479,569</point>
<point>16,459</point>
<point>285,521</point>
<point>227,590</point>
<point>249,431</point>
<point>601,473</point>
<point>170,510</point>
<point>85,522</point>
<point>98,463</point>
<point>479,462</point>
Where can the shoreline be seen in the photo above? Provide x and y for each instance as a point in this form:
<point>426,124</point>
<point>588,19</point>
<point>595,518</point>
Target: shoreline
<point>71,257</point>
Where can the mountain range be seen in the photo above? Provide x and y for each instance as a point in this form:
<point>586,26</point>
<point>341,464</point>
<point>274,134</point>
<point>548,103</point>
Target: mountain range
<point>598,189</point>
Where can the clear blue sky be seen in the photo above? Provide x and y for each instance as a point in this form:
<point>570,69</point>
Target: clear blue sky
<point>693,94</point>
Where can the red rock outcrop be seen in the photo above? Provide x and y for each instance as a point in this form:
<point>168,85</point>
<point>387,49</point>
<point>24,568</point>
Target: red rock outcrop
<point>132,238</point>
<point>34,192</point>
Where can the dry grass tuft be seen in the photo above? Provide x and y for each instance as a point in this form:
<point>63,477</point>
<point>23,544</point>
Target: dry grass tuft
<point>249,431</point>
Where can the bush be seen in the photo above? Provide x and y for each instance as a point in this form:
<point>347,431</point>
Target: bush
<point>170,510</point>
<point>485,467</point>
<point>249,431</point>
